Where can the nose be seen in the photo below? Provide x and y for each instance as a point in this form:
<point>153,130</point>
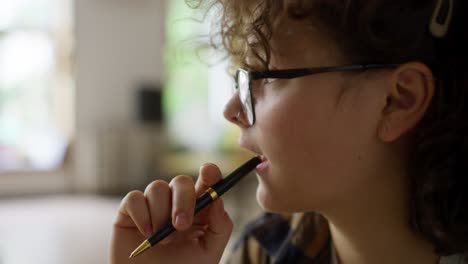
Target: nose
<point>233,111</point>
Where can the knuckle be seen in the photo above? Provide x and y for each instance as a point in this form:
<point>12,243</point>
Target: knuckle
<point>130,200</point>
<point>157,186</point>
<point>207,165</point>
<point>210,172</point>
<point>182,180</point>
<point>134,196</point>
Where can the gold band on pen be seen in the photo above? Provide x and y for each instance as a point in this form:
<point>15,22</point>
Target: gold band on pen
<point>213,193</point>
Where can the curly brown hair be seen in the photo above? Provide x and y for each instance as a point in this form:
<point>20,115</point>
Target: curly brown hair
<point>387,31</point>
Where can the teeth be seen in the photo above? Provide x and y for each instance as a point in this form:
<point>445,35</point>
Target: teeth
<point>263,158</point>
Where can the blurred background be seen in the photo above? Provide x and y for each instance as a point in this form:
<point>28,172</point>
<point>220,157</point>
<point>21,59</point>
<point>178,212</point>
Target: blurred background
<point>97,98</point>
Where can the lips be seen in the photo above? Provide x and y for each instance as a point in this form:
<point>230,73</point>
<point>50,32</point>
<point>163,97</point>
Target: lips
<point>263,166</point>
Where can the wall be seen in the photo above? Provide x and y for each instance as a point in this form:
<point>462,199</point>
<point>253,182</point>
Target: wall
<point>118,45</point>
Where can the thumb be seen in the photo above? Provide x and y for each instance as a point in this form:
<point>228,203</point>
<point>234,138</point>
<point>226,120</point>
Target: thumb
<point>208,176</point>
<point>219,223</point>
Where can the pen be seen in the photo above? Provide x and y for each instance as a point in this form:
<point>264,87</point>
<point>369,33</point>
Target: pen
<point>215,191</point>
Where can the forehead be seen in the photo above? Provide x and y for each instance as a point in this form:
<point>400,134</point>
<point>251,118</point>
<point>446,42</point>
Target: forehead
<point>301,41</point>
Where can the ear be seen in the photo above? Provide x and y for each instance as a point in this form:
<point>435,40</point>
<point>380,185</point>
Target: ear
<point>410,88</point>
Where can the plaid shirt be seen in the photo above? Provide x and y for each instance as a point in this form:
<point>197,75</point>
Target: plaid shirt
<point>285,238</point>
<point>292,238</point>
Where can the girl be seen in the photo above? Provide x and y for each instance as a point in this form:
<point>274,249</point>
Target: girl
<point>358,110</point>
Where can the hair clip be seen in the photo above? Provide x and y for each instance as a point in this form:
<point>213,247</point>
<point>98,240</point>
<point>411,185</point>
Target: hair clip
<point>441,18</point>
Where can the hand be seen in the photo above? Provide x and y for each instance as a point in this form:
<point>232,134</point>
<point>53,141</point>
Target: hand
<point>198,239</point>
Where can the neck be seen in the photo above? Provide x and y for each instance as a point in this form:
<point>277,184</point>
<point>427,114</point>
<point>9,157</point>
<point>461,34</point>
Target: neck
<point>373,227</point>
<point>375,240</point>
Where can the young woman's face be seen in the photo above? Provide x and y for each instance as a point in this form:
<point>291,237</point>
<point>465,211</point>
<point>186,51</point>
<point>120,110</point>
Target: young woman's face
<point>317,132</point>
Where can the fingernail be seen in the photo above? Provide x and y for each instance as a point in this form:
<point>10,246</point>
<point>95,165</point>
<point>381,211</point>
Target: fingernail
<point>182,219</point>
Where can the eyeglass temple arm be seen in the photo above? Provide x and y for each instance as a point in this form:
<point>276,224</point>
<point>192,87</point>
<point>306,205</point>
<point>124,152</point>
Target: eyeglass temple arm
<point>294,73</point>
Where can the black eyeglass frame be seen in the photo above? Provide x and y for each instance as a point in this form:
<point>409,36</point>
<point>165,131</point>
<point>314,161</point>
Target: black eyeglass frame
<point>291,74</point>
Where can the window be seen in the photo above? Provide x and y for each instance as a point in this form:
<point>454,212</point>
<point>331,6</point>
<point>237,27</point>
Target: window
<point>36,90</point>
<point>197,84</point>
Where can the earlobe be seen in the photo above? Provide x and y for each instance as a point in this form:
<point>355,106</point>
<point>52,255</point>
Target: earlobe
<point>409,92</point>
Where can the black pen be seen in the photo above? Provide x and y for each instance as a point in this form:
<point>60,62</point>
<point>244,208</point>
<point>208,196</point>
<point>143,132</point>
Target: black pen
<point>208,197</point>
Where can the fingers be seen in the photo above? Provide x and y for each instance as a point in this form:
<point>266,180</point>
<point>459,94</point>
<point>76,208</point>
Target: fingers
<point>159,198</point>
<point>176,199</point>
<point>161,201</point>
<point>133,211</point>
<point>220,226</point>
<point>183,202</point>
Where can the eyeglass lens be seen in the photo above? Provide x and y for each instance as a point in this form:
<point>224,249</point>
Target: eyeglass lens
<point>243,83</point>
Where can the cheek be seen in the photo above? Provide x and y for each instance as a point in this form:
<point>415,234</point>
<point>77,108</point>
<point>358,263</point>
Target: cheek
<point>293,133</point>
<point>315,151</point>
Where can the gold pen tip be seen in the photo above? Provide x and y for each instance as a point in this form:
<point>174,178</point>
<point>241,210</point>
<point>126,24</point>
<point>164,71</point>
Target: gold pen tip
<point>140,249</point>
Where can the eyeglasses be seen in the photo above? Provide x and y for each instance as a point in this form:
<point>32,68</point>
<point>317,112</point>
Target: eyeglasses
<point>244,78</point>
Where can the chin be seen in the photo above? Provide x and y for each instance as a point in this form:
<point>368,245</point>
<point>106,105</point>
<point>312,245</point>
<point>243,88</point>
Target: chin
<point>270,202</point>
<point>276,202</point>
